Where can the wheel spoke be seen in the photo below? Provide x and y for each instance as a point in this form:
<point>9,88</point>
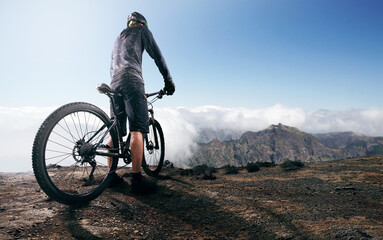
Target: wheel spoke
<point>67,130</point>
<point>74,124</point>
<point>67,155</point>
<point>86,123</point>
<point>64,137</point>
<point>154,149</point>
<point>60,144</point>
<point>79,123</point>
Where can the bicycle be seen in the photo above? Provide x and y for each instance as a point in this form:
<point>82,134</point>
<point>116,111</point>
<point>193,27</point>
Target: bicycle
<point>70,150</point>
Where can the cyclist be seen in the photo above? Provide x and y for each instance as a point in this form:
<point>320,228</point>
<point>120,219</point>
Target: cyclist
<point>126,75</point>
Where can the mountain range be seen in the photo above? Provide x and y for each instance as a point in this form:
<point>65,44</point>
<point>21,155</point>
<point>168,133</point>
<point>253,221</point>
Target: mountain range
<point>279,143</point>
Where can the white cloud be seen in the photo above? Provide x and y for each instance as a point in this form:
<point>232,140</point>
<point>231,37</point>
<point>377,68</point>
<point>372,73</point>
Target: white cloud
<point>365,121</point>
<point>18,127</point>
<point>181,126</point>
<point>179,135</point>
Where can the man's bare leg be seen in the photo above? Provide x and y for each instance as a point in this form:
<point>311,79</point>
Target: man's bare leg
<point>139,184</point>
<point>137,150</point>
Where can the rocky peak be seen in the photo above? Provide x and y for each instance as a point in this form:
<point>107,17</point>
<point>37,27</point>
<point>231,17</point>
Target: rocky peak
<point>279,143</point>
<point>276,143</point>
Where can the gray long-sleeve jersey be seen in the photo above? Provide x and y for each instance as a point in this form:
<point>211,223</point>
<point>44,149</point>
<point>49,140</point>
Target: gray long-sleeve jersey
<point>128,49</point>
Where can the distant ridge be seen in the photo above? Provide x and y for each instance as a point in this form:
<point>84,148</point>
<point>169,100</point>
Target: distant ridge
<point>279,143</point>
<point>207,135</point>
<point>341,139</point>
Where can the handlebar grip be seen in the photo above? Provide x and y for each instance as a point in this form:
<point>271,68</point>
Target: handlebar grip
<point>161,93</point>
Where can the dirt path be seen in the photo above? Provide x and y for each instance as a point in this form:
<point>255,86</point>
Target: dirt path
<point>333,200</point>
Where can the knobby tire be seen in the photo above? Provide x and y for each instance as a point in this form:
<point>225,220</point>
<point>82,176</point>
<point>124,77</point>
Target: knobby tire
<point>56,160</point>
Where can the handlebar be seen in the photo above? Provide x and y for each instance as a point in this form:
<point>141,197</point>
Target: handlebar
<point>105,89</point>
<point>159,94</point>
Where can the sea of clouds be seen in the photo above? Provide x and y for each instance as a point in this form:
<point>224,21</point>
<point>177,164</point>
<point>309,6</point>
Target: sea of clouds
<point>182,125</point>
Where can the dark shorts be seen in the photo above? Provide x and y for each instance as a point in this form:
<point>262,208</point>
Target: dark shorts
<point>132,105</point>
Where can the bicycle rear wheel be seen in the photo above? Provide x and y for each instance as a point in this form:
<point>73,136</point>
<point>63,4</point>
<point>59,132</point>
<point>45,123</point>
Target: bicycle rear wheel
<point>64,160</point>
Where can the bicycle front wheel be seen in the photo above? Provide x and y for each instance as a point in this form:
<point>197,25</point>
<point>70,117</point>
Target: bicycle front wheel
<point>154,149</point>
<point>65,162</point>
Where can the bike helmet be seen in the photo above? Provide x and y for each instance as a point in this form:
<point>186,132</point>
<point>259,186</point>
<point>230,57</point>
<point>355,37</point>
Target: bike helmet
<point>137,17</point>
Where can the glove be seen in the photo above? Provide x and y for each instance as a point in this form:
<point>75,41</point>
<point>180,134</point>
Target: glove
<point>170,88</point>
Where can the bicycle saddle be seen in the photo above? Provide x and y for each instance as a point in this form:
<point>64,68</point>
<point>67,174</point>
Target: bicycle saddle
<point>104,88</point>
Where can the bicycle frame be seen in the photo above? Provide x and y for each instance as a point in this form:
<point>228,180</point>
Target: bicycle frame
<point>103,88</point>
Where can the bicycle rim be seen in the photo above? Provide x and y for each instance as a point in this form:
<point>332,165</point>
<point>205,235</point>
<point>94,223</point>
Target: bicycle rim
<point>154,150</point>
<point>70,175</point>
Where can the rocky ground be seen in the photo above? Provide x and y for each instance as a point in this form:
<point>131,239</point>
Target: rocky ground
<point>331,200</point>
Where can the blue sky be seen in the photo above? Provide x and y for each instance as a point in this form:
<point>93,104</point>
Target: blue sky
<point>238,64</point>
<point>237,53</point>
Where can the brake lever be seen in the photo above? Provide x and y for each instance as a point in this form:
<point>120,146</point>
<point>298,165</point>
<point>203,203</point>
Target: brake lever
<point>161,94</point>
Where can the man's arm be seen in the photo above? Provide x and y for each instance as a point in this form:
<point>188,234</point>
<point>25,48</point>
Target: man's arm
<point>154,52</point>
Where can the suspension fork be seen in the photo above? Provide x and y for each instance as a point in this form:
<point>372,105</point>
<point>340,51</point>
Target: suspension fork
<point>152,120</point>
